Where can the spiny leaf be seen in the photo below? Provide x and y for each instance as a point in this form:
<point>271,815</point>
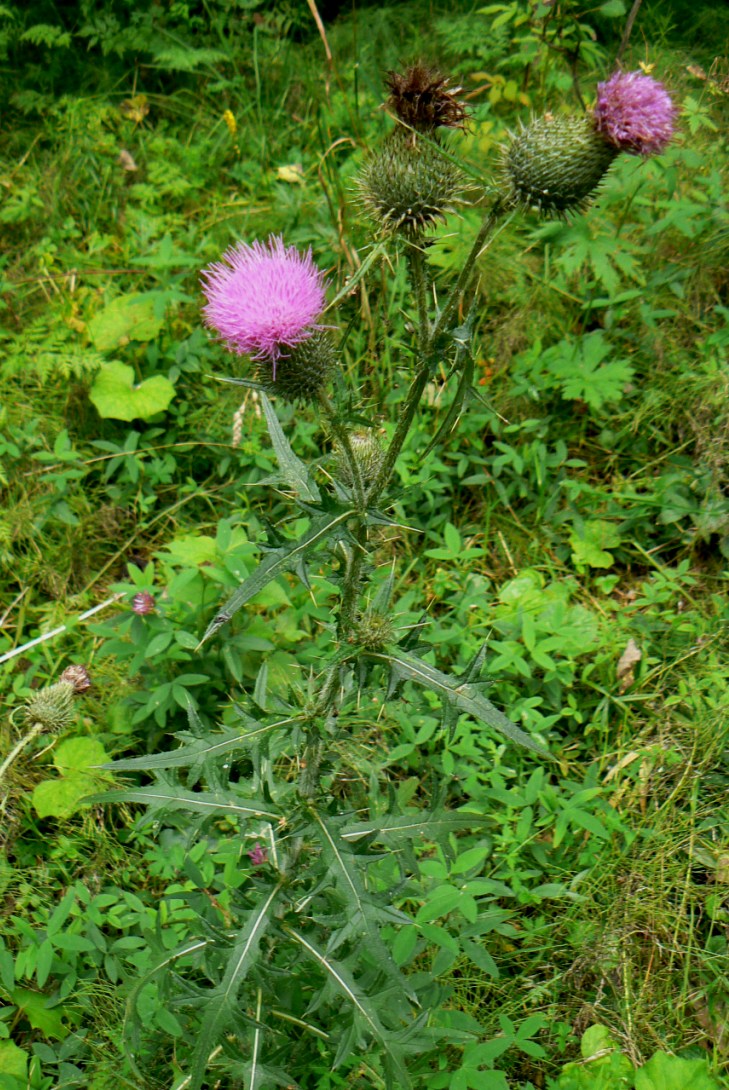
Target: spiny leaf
<point>131,1017</point>
<point>391,828</point>
<point>364,913</point>
<point>166,797</point>
<point>464,696</point>
<point>199,750</point>
<point>294,472</point>
<point>344,981</point>
<point>220,1007</point>
<point>277,561</point>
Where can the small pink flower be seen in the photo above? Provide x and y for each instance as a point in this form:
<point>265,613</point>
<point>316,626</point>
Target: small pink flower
<point>258,855</point>
<point>143,603</point>
<point>263,298</point>
<point>635,113</point>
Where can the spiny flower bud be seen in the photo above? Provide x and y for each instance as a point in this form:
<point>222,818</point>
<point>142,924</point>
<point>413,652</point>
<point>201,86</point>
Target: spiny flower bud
<point>555,165</point>
<point>420,97</point>
<point>78,676</point>
<point>408,185</point>
<point>368,455</point>
<point>303,371</point>
<point>373,630</point>
<point>52,707</point>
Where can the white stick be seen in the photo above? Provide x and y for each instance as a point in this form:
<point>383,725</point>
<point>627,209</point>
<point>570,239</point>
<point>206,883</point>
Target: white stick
<point>57,631</point>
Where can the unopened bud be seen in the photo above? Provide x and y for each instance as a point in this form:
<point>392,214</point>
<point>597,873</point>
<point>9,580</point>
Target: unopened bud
<point>302,371</point>
<point>368,455</point>
<point>373,630</point>
<point>408,184</point>
<point>555,165</point>
<point>52,707</point>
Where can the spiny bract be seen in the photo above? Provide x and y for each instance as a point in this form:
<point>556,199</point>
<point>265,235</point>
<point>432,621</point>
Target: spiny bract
<point>302,372</point>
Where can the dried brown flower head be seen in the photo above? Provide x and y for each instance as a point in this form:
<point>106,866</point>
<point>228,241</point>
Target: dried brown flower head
<point>421,98</point>
<point>78,676</point>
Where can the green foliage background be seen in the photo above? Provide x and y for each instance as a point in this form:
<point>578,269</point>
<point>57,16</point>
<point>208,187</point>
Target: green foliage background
<point>580,506</point>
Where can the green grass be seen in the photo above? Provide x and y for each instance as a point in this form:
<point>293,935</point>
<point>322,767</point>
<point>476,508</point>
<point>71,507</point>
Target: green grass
<point>633,934</point>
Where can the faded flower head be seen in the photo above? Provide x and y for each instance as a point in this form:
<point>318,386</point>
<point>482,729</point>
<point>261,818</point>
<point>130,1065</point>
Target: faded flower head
<point>78,677</point>
<point>258,855</point>
<point>421,98</point>
<point>143,603</point>
<point>263,298</point>
<point>635,113</point>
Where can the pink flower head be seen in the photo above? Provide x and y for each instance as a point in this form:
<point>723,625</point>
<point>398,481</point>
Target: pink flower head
<point>263,298</point>
<point>143,603</point>
<point>635,113</point>
<point>258,855</point>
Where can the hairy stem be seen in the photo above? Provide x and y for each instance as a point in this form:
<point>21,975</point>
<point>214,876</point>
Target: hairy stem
<point>448,312</point>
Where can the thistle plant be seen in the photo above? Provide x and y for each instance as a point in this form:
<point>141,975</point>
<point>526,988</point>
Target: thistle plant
<point>293,969</point>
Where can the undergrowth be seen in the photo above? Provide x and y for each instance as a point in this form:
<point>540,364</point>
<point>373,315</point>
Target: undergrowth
<point>577,520</point>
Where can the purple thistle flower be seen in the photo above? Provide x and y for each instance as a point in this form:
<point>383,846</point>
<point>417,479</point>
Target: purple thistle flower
<point>635,113</point>
<point>258,855</point>
<point>263,298</point>
<point>143,603</point>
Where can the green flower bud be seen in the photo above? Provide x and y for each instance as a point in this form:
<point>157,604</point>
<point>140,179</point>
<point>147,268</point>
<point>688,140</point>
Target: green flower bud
<point>53,707</point>
<point>408,185</point>
<point>373,631</point>
<point>367,453</point>
<point>555,165</point>
<point>302,372</point>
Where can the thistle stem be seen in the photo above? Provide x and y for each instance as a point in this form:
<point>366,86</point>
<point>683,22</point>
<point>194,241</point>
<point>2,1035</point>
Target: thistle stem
<point>448,313</point>
<point>342,436</point>
<point>36,729</point>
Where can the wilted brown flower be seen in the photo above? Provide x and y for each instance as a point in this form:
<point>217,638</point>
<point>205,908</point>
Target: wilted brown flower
<point>421,98</point>
<point>143,603</point>
<point>78,676</point>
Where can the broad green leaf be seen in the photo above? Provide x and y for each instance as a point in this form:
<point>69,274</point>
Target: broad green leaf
<point>465,697</point>
<point>277,562</point>
<point>41,1014</point>
<point>126,318</point>
<point>221,1006</point>
<point>13,1060</point>
<point>664,1072</point>
<point>61,796</point>
<point>590,545</point>
<point>116,396</point>
<point>165,797</point>
<point>293,470</point>
<point>77,754</point>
